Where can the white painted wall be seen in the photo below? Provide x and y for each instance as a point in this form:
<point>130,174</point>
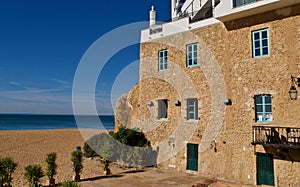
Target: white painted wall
<point>176,27</point>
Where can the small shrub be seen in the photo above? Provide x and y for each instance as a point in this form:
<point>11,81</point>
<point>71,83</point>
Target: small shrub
<point>131,137</point>
<point>69,184</point>
<point>88,151</point>
<point>51,167</point>
<point>7,167</point>
<point>77,164</point>
<point>33,174</point>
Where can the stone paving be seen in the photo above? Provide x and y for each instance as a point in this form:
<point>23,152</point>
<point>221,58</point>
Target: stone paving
<point>152,177</point>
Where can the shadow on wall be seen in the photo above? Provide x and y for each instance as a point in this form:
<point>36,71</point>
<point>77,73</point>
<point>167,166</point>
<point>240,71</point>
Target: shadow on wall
<point>263,18</point>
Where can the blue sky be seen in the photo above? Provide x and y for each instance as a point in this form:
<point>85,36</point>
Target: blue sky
<point>43,41</point>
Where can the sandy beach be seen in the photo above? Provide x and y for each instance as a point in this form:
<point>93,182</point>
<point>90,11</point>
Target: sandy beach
<point>31,147</point>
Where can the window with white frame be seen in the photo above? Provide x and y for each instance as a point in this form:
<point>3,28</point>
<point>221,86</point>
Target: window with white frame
<point>163,60</point>
<point>162,109</point>
<point>260,43</point>
<point>192,55</point>
<point>237,3</point>
<point>263,108</point>
<point>192,109</point>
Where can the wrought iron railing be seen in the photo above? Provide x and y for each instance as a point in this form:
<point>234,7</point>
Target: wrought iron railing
<point>204,14</point>
<point>276,135</point>
<point>192,8</point>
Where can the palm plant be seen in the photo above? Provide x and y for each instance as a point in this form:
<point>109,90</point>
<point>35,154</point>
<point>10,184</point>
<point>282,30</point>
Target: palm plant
<point>33,173</point>
<point>7,167</point>
<point>77,164</point>
<point>51,167</point>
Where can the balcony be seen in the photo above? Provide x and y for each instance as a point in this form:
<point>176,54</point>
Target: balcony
<point>265,135</point>
<point>282,142</point>
<point>229,10</point>
<point>196,10</point>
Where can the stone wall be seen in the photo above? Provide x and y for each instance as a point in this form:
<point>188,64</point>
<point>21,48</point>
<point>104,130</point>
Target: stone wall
<point>226,70</point>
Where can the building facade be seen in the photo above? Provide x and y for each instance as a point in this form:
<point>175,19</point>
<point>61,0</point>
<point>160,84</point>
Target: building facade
<point>218,90</point>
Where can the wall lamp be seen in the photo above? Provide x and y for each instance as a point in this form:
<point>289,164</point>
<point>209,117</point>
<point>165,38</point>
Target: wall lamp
<point>226,101</point>
<point>293,91</point>
<point>149,103</point>
<point>176,102</point>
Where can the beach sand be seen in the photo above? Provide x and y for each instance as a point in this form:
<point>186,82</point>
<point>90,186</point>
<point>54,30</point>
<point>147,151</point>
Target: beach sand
<point>32,146</point>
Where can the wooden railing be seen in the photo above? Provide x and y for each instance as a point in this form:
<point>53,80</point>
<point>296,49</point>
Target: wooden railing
<point>263,135</point>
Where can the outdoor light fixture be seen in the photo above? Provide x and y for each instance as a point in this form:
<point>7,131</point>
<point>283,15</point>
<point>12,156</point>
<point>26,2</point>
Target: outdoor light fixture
<point>176,102</point>
<point>293,91</point>
<point>226,101</point>
<point>149,103</point>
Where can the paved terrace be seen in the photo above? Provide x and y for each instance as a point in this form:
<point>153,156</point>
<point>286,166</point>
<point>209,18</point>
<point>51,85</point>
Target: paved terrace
<point>153,177</point>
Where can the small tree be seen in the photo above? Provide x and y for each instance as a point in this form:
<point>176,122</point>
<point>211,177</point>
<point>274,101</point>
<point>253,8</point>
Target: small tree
<point>33,174</point>
<point>51,167</point>
<point>106,168</point>
<point>7,167</point>
<point>77,164</point>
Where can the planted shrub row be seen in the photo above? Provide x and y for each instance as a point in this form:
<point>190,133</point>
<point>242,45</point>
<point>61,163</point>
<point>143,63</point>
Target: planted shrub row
<point>33,173</point>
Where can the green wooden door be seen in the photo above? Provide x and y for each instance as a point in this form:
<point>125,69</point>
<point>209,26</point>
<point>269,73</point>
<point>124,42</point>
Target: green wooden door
<point>192,157</point>
<point>265,169</point>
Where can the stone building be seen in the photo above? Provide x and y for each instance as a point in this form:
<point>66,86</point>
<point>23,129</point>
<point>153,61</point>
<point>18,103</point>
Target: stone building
<point>218,85</point>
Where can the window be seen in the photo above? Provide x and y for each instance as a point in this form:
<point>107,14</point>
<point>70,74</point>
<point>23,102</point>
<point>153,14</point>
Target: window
<point>162,60</point>
<point>237,3</point>
<point>192,109</point>
<point>162,109</point>
<point>263,108</point>
<point>260,43</point>
<point>192,55</point>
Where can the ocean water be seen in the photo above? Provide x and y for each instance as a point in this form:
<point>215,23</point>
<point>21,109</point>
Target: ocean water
<point>41,122</point>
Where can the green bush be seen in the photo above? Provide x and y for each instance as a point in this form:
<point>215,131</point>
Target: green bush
<point>77,164</point>
<point>69,184</point>
<point>88,151</point>
<point>33,174</point>
<point>131,137</point>
<point>127,145</point>
<point>7,167</point>
<point>101,145</point>
<point>51,167</point>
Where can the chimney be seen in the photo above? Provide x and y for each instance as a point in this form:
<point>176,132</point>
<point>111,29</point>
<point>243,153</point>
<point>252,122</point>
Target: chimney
<point>152,16</point>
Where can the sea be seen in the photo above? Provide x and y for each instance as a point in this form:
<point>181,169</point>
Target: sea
<point>45,122</point>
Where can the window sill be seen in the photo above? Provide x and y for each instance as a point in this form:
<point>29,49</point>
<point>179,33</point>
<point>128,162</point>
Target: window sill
<point>163,119</point>
<point>258,57</point>
<point>162,70</point>
<point>263,121</point>
<point>192,120</point>
<point>192,66</point>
